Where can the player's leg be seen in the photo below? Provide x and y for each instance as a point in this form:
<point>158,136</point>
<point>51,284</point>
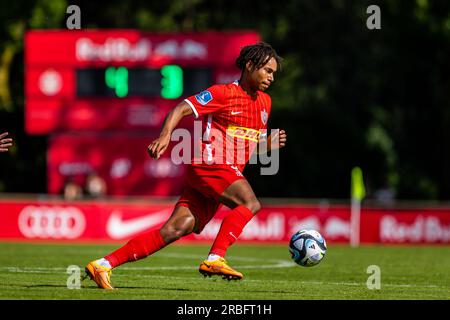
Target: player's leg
<point>240,197</point>
<point>180,223</point>
<point>240,193</point>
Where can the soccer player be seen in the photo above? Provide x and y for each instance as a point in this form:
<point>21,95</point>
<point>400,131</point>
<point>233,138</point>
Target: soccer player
<point>236,115</point>
<point>5,143</point>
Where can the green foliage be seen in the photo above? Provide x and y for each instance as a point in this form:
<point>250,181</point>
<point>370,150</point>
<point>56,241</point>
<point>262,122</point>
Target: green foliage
<point>48,14</point>
<point>347,96</point>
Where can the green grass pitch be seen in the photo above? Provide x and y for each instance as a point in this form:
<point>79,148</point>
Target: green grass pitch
<point>39,271</point>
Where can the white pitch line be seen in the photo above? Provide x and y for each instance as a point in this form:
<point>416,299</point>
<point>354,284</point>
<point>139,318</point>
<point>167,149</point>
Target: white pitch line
<point>280,264</point>
<point>274,263</point>
<point>302,282</point>
<point>237,258</point>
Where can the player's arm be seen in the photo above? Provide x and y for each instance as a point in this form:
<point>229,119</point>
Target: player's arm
<point>159,145</point>
<point>5,143</point>
<point>276,140</point>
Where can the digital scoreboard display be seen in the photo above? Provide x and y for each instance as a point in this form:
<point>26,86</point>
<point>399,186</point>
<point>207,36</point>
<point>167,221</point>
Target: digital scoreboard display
<point>100,80</point>
<point>169,82</point>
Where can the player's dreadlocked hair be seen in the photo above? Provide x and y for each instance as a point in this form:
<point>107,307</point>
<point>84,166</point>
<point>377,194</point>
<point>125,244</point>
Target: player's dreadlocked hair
<point>259,54</point>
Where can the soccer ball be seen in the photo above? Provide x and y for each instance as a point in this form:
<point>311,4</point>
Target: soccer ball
<point>307,247</point>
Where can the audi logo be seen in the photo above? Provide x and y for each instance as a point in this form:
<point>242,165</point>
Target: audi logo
<point>51,222</point>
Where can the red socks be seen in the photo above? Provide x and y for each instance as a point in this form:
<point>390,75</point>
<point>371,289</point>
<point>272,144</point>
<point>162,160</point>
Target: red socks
<point>231,229</point>
<point>137,248</point>
<point>148,243</point>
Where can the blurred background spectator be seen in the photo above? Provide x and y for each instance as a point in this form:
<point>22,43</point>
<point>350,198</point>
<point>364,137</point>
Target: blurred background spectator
<point>385,195</point>
<point>95,186</point>
<point>72,190</point>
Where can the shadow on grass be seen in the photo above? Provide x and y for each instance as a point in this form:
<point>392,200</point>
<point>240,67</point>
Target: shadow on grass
<point>125,287</point>
<point>96,288</point>
<point>44,286</point>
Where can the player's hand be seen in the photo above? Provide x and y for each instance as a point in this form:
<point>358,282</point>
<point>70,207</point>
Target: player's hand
<point>283,138</point>
<point>5,143</point>
<point>158,146</point>
<point>278,140</point>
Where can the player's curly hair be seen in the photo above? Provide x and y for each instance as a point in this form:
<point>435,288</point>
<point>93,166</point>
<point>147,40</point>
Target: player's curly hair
<point>259,54</point>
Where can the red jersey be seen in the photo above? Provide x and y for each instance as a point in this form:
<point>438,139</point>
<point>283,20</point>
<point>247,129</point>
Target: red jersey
<point>233,123</point>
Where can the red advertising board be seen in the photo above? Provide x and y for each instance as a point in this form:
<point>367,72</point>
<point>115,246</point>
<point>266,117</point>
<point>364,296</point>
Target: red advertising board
<point>119,159</point>
<point>128,46</point>
<point>120,79</point>
<point>120,221</point>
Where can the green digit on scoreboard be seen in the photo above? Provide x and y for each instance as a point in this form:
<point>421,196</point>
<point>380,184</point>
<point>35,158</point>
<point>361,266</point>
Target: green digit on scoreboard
<point>117,79</point>
<point>171,82</point>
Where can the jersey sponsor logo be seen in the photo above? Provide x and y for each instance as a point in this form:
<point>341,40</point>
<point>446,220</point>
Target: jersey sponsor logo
<point>233,113</point>
<point>204,97</point>
<point>244,133</point>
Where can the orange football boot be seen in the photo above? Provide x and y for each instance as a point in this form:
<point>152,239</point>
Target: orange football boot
<point>219,267</point>
<point>99,274</point>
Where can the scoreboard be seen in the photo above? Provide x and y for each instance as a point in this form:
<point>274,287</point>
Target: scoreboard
<point>169,82</point>
<point>108,80</point>
<point>93,90</point>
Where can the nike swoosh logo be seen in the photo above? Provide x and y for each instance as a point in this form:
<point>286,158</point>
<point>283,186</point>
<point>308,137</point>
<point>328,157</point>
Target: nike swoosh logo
<point>233,113</point>
<point>117,228</point>
<point>235,168</point>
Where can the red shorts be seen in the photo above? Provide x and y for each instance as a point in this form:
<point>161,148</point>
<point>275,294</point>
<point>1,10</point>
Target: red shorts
<point>204,184</point>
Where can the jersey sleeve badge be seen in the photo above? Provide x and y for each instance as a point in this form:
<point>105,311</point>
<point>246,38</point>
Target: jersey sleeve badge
<point>204,97</point>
